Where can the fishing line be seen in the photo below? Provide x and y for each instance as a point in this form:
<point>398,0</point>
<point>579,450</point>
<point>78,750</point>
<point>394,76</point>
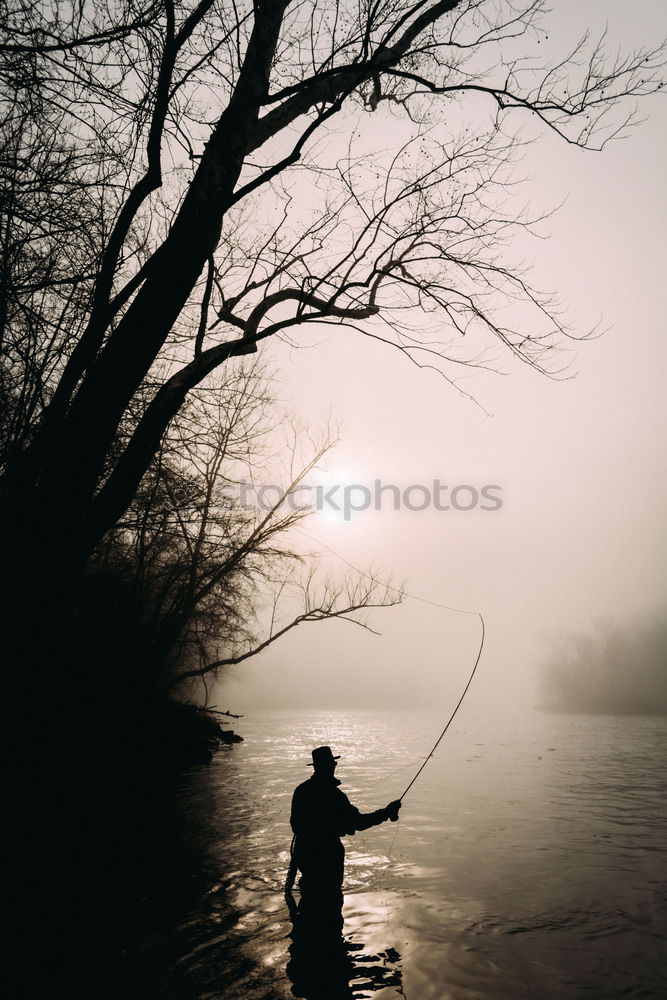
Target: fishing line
<point>403,767</point>
<point>436,604</point>
<point>397,590</point>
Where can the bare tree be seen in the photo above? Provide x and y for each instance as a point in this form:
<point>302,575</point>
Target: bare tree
<point>206,138</point>
<point>319,599</point>
<point>50,232</point>
<point>202,568</point>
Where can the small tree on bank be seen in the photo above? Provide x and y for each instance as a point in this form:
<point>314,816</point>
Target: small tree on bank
<point>197,580</point>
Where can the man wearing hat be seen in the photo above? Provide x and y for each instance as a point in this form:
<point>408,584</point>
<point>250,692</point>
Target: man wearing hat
<point>321,815</point>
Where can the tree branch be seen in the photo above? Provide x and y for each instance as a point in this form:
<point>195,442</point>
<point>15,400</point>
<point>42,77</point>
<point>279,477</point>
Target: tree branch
<point>312,615</point>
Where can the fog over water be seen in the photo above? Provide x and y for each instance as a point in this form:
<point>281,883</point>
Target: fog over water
<point>580,538</point>
<point>615,669</point>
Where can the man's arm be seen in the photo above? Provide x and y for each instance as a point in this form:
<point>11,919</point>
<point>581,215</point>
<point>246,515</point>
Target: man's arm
<point>363,821</point>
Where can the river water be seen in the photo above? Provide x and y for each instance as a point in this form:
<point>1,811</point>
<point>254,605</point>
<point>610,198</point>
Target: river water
<point>529,861</point>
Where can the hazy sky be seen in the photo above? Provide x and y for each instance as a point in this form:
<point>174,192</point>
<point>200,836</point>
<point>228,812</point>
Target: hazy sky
<point>580,537</point>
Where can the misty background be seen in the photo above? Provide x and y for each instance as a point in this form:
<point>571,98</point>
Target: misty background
<point>576,555</point>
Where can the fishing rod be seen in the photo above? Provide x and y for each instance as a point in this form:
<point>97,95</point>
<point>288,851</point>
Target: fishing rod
<point>292,868</point>
<point>451,718</point>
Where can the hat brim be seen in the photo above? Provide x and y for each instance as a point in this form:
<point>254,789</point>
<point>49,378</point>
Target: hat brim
<point>312,763</point>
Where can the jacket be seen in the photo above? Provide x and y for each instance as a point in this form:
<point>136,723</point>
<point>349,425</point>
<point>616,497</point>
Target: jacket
<point>321,812</point>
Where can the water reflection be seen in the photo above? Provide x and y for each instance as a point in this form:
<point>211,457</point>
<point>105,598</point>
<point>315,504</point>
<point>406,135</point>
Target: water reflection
<point>537,871</point>
<point>323,965</point>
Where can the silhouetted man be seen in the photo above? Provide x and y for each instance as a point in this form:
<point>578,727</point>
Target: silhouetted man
<point>321,815</point>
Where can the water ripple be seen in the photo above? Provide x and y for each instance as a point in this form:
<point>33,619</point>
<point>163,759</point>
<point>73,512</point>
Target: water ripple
<point>528,862</point>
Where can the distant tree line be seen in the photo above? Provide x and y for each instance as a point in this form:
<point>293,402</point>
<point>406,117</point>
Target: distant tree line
<point>616,669</point>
